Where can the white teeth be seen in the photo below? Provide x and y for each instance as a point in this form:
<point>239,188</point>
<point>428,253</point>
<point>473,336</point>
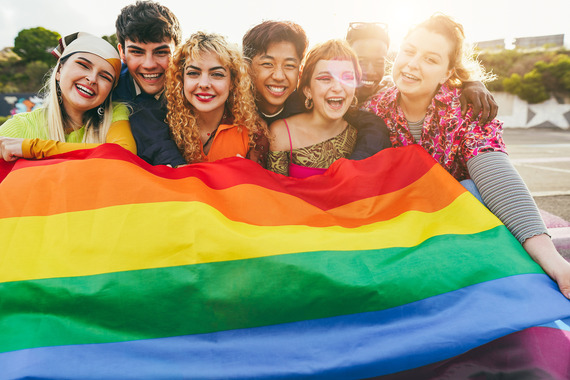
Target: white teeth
<point>205,96</point>
<point>335,99</point>
<point>84,89</point>
<point>367,82</point>
<point>410,76</point>
<point>150,76</point>
<point>276,89</point>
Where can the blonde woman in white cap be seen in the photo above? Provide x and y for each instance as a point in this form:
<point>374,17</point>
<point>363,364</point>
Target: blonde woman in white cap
<point>77,112</point>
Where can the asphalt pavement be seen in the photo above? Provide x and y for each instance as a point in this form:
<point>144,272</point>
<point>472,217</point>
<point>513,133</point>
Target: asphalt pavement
<point>542,157</point>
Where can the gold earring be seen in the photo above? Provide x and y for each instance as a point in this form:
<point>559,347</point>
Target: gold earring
<point>354,102</point>
<point>308,103</point>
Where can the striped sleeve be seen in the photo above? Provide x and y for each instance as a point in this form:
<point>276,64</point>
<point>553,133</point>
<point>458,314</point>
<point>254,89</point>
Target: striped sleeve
<point>506,195</point>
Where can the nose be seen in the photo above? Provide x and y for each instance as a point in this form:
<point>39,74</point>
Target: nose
<point>413,62</point>
<point>278,73</point>
<point>149,61</point>
<point>90,78</point>
<point>204,81</point>
<point>336,84</point>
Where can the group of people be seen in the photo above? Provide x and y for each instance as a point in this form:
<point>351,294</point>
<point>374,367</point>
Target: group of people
<point>292,111</point>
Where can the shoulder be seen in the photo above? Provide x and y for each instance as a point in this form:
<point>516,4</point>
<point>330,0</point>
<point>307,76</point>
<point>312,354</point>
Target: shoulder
<point>278,136</point>
<point>382,101</point>
<point>449,96</point>
<point>120,111</point>
<point>24,125</point>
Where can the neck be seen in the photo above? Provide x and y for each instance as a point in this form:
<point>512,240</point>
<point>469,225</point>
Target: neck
<point>269,109</point>
<point>74,120</point>
<point>414,108</point>
<point>209,121</point>
<point>325,127</point>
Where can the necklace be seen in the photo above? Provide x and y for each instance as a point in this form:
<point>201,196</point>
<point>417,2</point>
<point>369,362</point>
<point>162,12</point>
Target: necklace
<point>273,115</point>
<point>211,134</point>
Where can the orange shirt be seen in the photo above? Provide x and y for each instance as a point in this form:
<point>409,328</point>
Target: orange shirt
<point>229,141</point>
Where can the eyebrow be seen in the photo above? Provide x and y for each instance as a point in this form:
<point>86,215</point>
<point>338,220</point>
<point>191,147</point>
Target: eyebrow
<point>267,56</point>
<point>329,73</point>
<point>91,63</point>
<point>415,47</point>
<point>211,69</point>
<point>161,47</point>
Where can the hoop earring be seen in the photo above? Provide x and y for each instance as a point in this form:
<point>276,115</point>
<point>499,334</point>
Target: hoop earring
<point>58,92</point>
<point>354,103</point>
<point>101,111</point>
<point>308,103</point>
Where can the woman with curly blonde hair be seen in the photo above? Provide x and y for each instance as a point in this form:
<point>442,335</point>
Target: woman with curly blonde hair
<point>211,108</point>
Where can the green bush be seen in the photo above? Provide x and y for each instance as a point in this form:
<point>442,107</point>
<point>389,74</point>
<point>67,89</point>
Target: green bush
<point>530,87</point>
<point>533,76</point>
<point>3,119</point>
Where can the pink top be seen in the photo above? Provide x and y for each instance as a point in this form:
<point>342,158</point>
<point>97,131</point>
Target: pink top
<point>299,171</point>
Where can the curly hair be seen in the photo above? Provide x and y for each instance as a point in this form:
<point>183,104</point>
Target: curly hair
<point>182,116</point>
<point>461,58</point>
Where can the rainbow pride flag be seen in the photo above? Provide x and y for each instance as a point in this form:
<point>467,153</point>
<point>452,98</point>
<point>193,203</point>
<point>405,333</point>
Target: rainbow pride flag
<point>114,269</point>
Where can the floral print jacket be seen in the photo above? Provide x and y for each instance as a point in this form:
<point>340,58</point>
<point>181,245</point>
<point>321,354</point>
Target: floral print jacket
<point>449,137</point>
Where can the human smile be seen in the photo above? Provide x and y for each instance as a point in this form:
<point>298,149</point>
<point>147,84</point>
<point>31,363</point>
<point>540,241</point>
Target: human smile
<point>84,91</point>
<point>368,83</point>
<point>151,77</point>
<point>410,77</point>
<point>276,90</point>
<point>205,98</point>
<point>335,103</point>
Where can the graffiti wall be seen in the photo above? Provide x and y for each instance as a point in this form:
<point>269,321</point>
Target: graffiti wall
<point>11,104</point>
<point>517,113</point>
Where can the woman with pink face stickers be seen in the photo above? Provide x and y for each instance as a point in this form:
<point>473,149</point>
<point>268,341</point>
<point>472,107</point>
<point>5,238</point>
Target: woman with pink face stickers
<point>424,108</point>
<point>211,108</point>
<point>77,111</point>
<point>308,143</point>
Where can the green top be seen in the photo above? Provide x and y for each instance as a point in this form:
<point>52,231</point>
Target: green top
<point>31,125</point>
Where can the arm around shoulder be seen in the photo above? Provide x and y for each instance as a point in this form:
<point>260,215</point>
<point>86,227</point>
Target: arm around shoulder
<point>120,133</point>
<point>373,135</point>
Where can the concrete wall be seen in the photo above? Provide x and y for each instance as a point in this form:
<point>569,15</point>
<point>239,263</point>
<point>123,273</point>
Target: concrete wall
<point>517,113</point>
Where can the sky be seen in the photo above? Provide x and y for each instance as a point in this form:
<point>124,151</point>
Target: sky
<point>321,19</point>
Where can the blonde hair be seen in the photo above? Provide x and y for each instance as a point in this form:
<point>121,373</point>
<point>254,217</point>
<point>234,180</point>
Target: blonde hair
<point>181,116</point>
<point>338,50</point>
<point>462,59</point>
<point>96,128</point>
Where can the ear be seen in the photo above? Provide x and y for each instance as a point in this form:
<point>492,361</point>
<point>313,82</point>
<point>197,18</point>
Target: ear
<point>121,52</point>
<point>58,72</point>
<point>446,78</point>
<point>307,92</point>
